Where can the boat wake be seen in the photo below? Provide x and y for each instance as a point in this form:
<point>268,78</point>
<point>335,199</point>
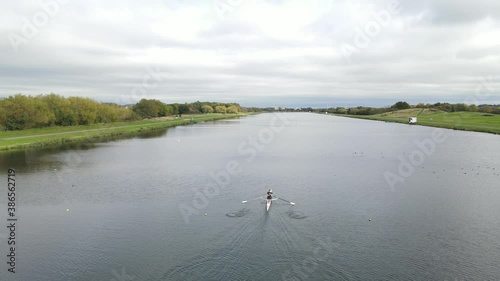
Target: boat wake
<point>226,257</point>
<point>296,215</point>
<point>238,214</point>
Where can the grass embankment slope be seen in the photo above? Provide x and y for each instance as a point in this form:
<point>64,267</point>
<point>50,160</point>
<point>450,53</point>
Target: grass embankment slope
<point>52,136</point>
<point>468,121</point>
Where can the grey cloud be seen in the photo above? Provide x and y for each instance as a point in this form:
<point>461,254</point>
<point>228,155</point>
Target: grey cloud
<point>454,11</point>
<point>470,53</point>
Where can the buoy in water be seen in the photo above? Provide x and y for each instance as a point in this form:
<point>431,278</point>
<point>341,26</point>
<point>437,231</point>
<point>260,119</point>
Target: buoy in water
<point>67,210</point>
<point>206,214</point>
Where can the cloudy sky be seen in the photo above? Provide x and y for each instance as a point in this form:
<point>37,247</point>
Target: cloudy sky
<point>256,52</point>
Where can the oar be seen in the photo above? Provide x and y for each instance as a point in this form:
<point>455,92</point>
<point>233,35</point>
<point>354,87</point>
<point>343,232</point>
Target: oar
<point>246,201</point>
<point>291,203</point>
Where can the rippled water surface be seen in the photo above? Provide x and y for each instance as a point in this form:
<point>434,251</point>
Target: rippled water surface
<point>168,206</point>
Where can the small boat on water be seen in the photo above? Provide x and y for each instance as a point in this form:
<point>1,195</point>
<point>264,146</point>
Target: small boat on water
<point>269,200</point>
<point>268,204</point>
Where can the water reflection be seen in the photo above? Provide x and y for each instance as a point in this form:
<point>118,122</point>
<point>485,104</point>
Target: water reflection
<point>39,159</point>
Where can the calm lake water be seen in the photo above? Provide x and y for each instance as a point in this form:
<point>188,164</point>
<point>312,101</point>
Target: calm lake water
<point>167,206</point>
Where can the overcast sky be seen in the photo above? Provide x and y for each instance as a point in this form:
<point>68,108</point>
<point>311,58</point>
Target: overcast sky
<point>259,53</point>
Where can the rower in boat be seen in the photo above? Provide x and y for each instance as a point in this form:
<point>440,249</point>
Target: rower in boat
<point>270,194</point>
<point>269,199</point>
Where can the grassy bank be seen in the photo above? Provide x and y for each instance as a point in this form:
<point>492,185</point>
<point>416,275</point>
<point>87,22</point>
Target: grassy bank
<point>53,136</point>
<point>467,121</point>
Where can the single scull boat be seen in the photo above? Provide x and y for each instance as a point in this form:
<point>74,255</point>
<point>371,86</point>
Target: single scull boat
<point>268,204</point>
<point>269,201</point>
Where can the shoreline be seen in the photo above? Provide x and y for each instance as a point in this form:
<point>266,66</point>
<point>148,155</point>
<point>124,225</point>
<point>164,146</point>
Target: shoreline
<point>56,136</point>
<point>469,127</point>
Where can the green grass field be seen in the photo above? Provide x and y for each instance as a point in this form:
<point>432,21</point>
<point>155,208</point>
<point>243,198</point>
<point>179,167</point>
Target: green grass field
<point>53,136</point>
<point>469,121</point>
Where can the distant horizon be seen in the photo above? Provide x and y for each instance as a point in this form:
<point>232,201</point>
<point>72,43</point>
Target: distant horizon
<point>315,102</point>
<point>347,103</point>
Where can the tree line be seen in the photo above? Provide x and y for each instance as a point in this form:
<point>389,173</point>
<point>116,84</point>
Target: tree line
<point>447,107</point>
<point>20,112</point>
<point>155,108</point>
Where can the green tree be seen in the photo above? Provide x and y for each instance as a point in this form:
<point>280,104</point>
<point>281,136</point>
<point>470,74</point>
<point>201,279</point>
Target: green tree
<point>446,107</point>
<point>340,110</point>
<point>352,111</point>
<point>233,109</point>
<point>148,108</point>
<point>61,108</point>
<point>107,113</point>
<point>207,108</point>
<point>472,108</point>
<point>169,110</point>
<point>3,116</point>
<point>184,108</point>
<point>85,110</point>
<point>459,107</point>
<point>486,109</point>
<point>124,113</point>
<point>196,107</point>
<point>401,105</point>
<point>175,106</point>
<point>220,109</point>
<point>24,112</point>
